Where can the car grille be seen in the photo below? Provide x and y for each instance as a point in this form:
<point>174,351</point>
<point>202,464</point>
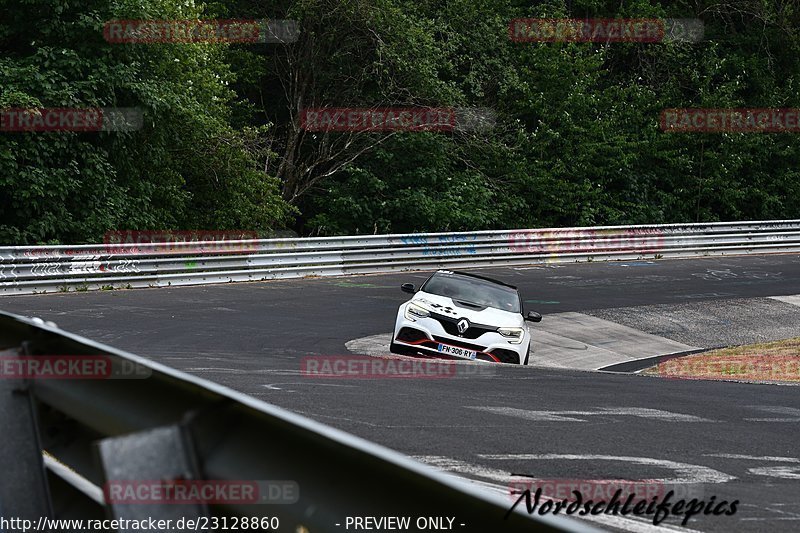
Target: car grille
<point>450,326</point>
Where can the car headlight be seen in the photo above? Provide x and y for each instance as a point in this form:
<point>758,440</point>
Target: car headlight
<point>414,311</point>
<point>514,335</point>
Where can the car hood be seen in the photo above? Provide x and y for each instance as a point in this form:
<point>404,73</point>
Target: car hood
<point>488,316</point>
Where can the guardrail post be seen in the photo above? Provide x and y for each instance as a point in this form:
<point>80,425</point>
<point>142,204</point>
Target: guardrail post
<point>24,492</point>
<point>141,461</point>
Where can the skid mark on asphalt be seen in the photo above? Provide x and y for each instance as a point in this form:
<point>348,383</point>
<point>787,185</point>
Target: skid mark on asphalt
<point>684,472</point>
<point>500,481</point>
<point>578,416</point>
<point>688,475</point>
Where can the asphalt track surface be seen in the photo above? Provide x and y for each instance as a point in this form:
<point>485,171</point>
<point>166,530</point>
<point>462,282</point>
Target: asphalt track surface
<point>733,441</point>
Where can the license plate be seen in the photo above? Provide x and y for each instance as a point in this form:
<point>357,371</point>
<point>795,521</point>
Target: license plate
<point>458,352</point>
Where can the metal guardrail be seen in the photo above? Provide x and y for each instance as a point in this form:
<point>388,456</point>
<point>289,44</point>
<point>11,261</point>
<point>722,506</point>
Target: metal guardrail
<point>32,269</point>
<point>174,427</point>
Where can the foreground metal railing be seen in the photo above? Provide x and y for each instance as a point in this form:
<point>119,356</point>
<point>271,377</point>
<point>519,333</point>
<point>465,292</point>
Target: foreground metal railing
<point>128,265</point>
<point>69,444</point>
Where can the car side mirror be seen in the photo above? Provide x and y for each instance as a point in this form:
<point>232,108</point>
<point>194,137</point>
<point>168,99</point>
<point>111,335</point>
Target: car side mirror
<point>533,316</point>
<point>408,287</point>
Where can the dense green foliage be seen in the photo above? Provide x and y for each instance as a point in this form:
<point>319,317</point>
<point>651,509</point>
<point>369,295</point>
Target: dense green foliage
<point>576,141</point>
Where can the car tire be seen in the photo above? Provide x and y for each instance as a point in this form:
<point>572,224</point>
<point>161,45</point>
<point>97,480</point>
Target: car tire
<point>527,354</point>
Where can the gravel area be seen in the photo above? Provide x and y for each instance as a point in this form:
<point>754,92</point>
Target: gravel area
<point>712,324</point>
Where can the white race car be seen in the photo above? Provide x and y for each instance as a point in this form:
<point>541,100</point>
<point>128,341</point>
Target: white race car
<point>457,315</point>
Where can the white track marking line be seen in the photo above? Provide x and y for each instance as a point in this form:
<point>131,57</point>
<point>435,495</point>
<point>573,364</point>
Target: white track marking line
<point>792,413</point>
<point>571,416</point>
<point>772,508</point>
<point>792,299</point>
<point>754,457</point>
<point>791,420</point>
<point>781,472</point>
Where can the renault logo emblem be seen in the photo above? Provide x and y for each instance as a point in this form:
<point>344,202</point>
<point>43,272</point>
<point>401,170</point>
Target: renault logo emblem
<point>463,325</point>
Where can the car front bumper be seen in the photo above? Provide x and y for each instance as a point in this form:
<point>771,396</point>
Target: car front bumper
<point>426,334</point>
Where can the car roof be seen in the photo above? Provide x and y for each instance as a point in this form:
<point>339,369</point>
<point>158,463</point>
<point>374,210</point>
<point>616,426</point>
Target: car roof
<point>484,278</point>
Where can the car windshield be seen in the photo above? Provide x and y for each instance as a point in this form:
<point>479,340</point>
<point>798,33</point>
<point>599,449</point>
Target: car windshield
<point>475,291</point>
